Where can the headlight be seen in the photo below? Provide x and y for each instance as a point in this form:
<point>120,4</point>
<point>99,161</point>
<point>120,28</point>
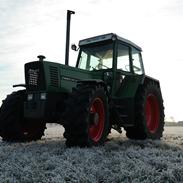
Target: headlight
<point>43,96</point>
<point>29,96</point>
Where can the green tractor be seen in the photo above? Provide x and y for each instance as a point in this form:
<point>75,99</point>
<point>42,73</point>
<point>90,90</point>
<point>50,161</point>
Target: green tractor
<point>107,89</point>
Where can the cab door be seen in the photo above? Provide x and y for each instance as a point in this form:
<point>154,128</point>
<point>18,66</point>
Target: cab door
<point>129,74</point>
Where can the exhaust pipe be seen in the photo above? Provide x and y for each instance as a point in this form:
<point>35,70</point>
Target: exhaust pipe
<point>69,13</point>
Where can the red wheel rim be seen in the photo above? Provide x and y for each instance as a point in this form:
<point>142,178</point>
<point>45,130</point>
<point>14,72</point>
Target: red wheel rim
<point>152,112</point>
<point>96,130</point>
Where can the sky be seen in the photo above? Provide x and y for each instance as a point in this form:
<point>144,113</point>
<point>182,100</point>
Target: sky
<point>32,27</point>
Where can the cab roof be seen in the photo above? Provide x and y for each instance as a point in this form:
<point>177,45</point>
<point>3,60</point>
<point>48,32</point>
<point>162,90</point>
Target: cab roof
<point>105,37</point>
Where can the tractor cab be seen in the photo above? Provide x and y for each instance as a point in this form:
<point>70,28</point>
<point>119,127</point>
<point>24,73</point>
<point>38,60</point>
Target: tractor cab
<point>110,51</point>
<point>118,59</point>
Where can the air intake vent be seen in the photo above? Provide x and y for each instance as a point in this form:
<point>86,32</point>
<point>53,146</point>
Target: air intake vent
<point>54,76</point>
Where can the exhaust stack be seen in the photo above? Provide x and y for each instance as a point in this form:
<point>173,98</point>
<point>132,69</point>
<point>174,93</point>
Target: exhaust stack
<point>69,13</point>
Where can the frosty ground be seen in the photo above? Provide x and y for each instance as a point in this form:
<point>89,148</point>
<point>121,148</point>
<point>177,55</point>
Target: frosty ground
<point>120,160</point>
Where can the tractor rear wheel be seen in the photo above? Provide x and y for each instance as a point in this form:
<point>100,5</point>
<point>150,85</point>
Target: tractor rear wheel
<point>149,114</point>
<point>86,118</point>
<point>13,126</point>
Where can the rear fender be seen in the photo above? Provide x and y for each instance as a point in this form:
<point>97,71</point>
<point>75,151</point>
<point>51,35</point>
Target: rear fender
<point>147,79</point>
<point>126,96</point>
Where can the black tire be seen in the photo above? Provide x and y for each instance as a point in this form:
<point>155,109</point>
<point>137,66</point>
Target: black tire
<point>86,117</point>
<point>149,113</point>
<point>13,126</point>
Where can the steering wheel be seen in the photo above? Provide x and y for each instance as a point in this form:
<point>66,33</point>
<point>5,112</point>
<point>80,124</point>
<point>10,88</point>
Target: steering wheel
<point>101,65</point>
<point>135,68</point>
<point>127,68</point>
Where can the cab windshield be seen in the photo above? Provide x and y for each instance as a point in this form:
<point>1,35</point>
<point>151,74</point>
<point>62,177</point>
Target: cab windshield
<point>96,57</point>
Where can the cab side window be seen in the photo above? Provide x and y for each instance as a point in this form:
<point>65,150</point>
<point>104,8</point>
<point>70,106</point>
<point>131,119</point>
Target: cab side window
<point>137,61</point>
<point>123,59</point>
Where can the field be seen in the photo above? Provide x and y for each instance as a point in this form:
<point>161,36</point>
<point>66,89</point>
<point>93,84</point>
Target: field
<point>120,160</point>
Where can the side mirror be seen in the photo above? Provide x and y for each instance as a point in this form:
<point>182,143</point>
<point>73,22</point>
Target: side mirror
<point>74,47</point>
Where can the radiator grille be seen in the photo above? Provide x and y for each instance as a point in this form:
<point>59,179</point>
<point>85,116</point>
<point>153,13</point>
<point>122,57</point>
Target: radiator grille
<point>54,81</point>
<point>33,76</point>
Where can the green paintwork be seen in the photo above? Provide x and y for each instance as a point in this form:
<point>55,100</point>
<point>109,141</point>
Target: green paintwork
<point>48,87</point>
<point>129,88</point>
<point>122,85</point>
<point>67,76</point>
